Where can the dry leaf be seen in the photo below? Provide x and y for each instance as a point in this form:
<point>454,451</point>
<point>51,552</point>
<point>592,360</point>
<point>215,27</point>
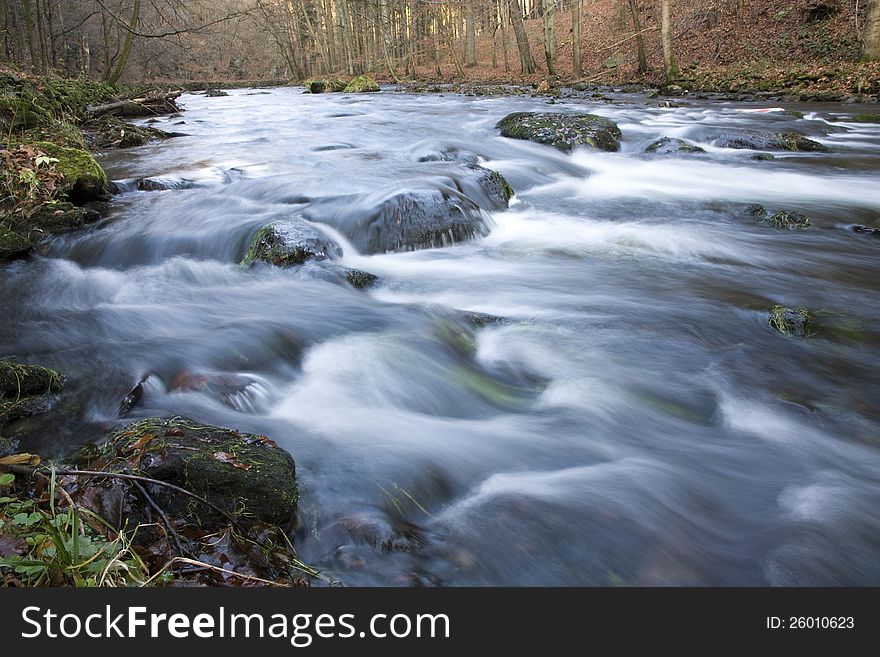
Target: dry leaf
<point>143,441</point>
<point>31,460</point>
<point>225,457</point>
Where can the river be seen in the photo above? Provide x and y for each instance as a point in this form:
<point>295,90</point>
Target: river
<point>633,421</point>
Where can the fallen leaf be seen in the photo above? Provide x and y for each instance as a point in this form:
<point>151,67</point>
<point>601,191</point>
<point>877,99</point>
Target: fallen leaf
<point>225,457</point>
<point>12,546</point>
<point>175,431</point>
<point>143,441</point>
<point>21,459</point>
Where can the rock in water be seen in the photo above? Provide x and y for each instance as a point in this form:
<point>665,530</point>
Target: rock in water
<point>798,322</point>
<point>245,475</point>
<point>361,84</point>
<point>562,131</point>
<point>26,390</point>
<point>671,146</point>
<point>767,141</point>
<point>291,242</point>
<point>403,221</point>
<point>787,220</point>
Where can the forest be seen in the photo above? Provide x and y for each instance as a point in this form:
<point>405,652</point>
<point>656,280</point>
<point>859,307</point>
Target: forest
<point>137,40</point>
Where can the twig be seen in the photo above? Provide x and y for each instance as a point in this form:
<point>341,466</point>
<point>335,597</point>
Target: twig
<point>206,566</point>
<point>168,527</point>
<point>19,469</point>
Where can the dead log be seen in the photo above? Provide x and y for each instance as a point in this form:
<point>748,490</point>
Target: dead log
<point>135,107</point>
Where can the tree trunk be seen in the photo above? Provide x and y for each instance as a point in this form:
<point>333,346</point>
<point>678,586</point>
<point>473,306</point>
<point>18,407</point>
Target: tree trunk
<point>503,27</point>
<point>548,16</point>
<point>669,65</point>
<point>640,40</point>
<point>119,69</point>
<point>31,38</point>
<point>576,38</point>
<point>86,56</point>
<point>872,33</point>
<point>470,40</point>
<point>4,30</point>
<point>527,62</point>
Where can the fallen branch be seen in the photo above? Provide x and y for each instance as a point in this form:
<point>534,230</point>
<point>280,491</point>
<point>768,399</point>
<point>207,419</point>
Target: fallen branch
<point>143,106</point>
<point>22,470</point>
<point>169,529</point>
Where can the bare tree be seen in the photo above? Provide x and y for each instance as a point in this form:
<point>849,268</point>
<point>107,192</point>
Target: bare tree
<point>527,62</point>
<point>576,38</point>
<point>548,16</point>
<point>640,39</point>
<point>871,50</point>
<point>669,66</point>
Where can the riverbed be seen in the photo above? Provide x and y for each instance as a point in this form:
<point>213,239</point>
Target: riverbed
<point>632,419</point>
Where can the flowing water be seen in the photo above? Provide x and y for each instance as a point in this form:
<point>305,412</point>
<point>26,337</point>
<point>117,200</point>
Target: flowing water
<point>634,420</point>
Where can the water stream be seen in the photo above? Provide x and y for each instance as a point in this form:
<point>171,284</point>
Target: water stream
<point>634,420</point>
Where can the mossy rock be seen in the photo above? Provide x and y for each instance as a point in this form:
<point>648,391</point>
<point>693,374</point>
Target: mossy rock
<point>326,85</point>
<point>245,475</point>
<point>84,179</point>
<point>21,113</point>
<point>26,390</point>
<point>785,220</point>
<point>796,322</point>
<point>672,146</point>
<point>562,131</point>
<point>360,279</point>
<point>13,244</point>
<point>112,132</point>
<point>768,141</point>
<point>361,84</point>
<point>289,243</point>
<point>866,118</point>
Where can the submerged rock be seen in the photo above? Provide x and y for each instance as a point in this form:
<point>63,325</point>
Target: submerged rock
<point>866,118</point>
<point>671,146</point>
<point>247,476</point>
<point>488,188</point>
<point>360,279</point>
<point>866,230</point>
<point>215,93</point>
<point>163,184</point>
<point>562,131</point>
<point>26,390</point>
<point>84,179</point>
<point>768,141</point>
<point>361,84</point>
<point>787,220</point>
<point>291,242</point>
<point>797,322</point>
<point>23,232</point>
<point>763,157</point>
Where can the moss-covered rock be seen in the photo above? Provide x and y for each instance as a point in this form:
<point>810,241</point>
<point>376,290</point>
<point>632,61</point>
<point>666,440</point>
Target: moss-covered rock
<point>84,179</point>
<point>562,131</point>
<point>360,279</point>
<point>288,243</point>
<point>26,390</point>
<point>866,118</point>
<point>361,84</point>
<point>245,475</point>
<point>672,146</point>
<point>325,85</point>
<point>114,132</point>
<point>767,141</point>
<point>786,220</point>
<point>13,244</point>
<point>797,322</point>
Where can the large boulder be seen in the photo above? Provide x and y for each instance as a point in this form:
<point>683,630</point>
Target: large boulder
<point>324,86</point>
<point>430,214</point>
<point>403,220</point>
<point>247,476</point>
<point>26,390</point>
<point>290,242</point>
<point>672,146</point>
<point>84,179</point>
<point>361,84</point>
<point>562,131</point>
<point>767,141</point>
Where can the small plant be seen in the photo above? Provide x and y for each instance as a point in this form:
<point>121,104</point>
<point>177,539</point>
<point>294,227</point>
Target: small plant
<point>73,546</point>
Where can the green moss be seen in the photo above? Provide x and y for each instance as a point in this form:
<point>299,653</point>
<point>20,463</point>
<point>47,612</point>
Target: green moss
<point>17,381</point>
<point>797,322</point>
<point>361,84</point>
<point>563,131</point>
<point>243,474</point>
<point>12,243</point>
<point>84,179</point>
<point>785,220</point>
<point>866,118</point>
